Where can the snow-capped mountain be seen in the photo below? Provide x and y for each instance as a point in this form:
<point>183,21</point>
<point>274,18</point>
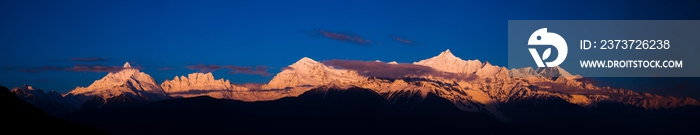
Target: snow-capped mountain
<point>523,72</point>
<point>489,88</point>
<point>554,72</point>
<point>199,84</point>
<point>493,87</point>
<point>128,85</point>
<point>294,80</point>
<point>308,72</point>
<point>454,89</point>
<point>448,62</point>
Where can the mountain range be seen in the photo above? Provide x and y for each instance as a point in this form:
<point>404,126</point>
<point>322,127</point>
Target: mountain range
<point>444,87</point>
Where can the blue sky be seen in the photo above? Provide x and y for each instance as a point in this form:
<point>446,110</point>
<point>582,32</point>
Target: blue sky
<point>176,34</point>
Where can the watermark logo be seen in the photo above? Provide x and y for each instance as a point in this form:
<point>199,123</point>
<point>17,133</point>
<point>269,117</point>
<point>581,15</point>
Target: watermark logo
<point>542,37</point>
<point>606,48</point>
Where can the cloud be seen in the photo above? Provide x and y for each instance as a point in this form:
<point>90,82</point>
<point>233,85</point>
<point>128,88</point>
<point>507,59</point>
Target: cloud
<point>566,89</point>
<point>394,71</point>
<point>286,68</point>
<point>166,68</point>
<point>94,59</point>
<point>343,37</point>
<point>75,68</point>
<point>405,41</point>
<point>35,80</point>
<point>94,68</point>
<point>252,86</point>
<point>257,70</point>
<point>25,69</point>
<point>204,68</point>
<point>30,69</point>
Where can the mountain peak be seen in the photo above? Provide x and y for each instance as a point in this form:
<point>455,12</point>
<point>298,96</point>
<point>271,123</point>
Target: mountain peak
<point>486,63</point>
<point>127,65</point>
<point>553,72</point>
<point>448,62</point>
<point>305,61</point>
<point>114,84</point>
<point>308,72</point>
<point>197,81</point>
<point>447,53</point>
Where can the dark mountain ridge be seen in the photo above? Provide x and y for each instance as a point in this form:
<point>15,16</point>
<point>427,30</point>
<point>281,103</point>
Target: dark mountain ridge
<point>318,111</point>
<point>18,114</point>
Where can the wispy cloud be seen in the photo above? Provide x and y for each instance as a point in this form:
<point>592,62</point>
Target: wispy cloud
<point>25,69</point>
<point>94,68</point>
<point>286,68</point>
<point>257,70</point>
<point>342,37</point>
<point>75,68</point>
<point>384,70</point>
<point>93,59</point>
<point>89,59</point>
<point>564,88</point>
<point>34,80</point>
<point>204,68</point>
<point>252,86</point>
<point>406,41</point>
<point>166,68</point>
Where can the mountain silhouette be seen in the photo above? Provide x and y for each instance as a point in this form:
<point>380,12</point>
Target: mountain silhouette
<point>332,110</point>
<point>318,111</point>
<point>18,114</point>
<point>548,115</point>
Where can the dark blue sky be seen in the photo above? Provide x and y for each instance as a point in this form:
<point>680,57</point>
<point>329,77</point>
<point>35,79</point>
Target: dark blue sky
<point>57,44</point>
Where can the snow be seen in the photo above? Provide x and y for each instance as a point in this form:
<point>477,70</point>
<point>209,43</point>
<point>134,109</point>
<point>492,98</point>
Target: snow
<point>204,83</point>
<point>474,96</point>
<point>448,62</point>
<point>306,71</point>
<point>483,94</point>
<point>553,72</point>
<point>127,65</point>
<point>523,72</point>
<point>305,60</point>
<point>128,80</point>
<point>487,70</point>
